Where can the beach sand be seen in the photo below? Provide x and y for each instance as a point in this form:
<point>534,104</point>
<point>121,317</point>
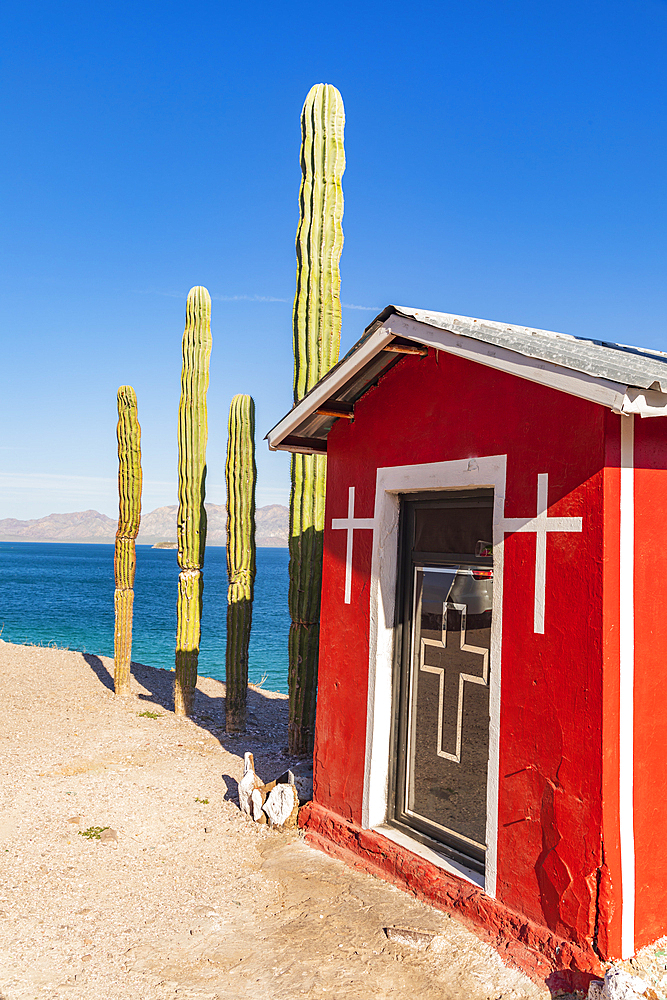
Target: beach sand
<point>186,898</point>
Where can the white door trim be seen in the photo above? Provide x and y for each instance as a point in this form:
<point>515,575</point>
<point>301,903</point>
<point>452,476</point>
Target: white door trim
<point>471,473</point>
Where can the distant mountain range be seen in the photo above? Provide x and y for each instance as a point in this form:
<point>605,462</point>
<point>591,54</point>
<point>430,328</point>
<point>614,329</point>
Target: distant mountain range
<point>157,526</point>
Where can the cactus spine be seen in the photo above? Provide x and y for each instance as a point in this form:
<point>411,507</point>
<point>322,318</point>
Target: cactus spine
<point>128,433</point>
<point>191,524</point>
<point>240,474</point>
<point>316,326</point>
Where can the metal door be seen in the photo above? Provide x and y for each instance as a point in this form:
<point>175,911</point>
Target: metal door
<point>444,669</point>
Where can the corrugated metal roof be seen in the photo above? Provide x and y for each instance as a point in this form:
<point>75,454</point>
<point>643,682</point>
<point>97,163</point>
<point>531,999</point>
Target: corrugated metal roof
<point>631,366</point>
<point>595,369</point>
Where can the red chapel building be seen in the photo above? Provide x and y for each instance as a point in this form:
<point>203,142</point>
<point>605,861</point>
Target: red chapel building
<point>491,727</point>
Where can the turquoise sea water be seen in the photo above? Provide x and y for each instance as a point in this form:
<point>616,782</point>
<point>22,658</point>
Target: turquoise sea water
<point>62,594</point>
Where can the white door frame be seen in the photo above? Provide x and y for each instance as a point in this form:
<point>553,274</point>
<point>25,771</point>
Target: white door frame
<point>390,483</point>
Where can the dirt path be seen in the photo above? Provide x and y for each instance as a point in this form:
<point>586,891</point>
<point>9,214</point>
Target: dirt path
<point>187,898</point>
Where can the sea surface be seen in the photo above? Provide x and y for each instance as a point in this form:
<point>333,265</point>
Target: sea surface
<point>62,595</point>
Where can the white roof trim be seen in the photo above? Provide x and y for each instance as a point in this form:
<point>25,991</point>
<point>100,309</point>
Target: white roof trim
<point>328,385</point>
<point>618,397</point>
<point>645,402</point>
<point>598,390</point>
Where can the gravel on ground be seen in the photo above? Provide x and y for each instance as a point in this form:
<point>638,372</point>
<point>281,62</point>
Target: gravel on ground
<point>128,871</point>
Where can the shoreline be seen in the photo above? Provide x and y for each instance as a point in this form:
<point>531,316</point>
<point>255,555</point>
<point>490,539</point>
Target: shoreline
<point>140,667</point>
<point>93,541</point>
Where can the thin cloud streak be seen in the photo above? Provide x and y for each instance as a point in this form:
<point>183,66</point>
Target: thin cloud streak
<point>50,479</point>
<point>217,298</point>
<point>246,298</point>
<point>58,484</point>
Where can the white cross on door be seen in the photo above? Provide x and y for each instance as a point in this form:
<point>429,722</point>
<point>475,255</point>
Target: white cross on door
<point>541,524</point>
<point>448,676</point>
<point>349,524</point>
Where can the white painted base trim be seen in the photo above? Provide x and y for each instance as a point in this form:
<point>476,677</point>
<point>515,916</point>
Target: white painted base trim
<point>627,686</point>
<point>422,851</point>
<point>470,473</point>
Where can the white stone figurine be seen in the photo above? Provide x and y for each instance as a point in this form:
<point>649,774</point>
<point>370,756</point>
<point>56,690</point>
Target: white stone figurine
<point>248,783</point>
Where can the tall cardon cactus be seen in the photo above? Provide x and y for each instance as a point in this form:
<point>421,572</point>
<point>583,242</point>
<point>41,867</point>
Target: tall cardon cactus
<point>240,474</point>
<point>191,523</point>
<point>128,433</point>
<point>316,327</point>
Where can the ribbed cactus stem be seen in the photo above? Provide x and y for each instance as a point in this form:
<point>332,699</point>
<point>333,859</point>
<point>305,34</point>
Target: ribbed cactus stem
<point>316,324</point>
<point>319,238</point>
<point>241,475</point>
<point>191,523</point>
<point>128,433</point>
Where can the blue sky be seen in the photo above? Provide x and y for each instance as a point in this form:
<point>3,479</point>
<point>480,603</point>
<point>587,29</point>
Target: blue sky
<point>504,160</point>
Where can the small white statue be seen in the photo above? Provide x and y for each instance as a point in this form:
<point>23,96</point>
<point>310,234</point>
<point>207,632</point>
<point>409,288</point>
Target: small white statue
<point>248,783</point>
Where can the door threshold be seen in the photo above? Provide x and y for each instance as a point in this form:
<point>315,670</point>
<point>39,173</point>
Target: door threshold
<point>428,854</point>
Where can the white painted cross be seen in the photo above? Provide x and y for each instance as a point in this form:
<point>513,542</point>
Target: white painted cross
<point>349,524</point>
<point>448,676</point>
<point>541,524</point>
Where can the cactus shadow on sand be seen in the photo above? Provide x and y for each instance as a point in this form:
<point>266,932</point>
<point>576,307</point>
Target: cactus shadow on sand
<point>153,687</point>
<point>98,668</point>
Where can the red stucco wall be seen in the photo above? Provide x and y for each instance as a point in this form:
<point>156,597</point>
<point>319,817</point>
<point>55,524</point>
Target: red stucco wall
<point>550,819</point>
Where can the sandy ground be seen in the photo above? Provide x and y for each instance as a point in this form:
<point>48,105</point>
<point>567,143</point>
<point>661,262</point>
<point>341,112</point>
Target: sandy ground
<point>187,898</point>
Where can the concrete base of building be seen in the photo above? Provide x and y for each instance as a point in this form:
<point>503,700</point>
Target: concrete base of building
<point>546,958</point>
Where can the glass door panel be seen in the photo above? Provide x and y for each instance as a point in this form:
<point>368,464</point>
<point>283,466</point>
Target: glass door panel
<point>448,743</point>
<point>444,672</point>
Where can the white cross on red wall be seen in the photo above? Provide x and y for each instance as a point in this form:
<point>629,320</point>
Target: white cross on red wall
<point>349,524</point>
<point>540,523</point>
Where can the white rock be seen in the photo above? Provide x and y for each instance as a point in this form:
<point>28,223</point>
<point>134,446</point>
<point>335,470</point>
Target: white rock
<point>280,804</point>
<point>617,985</point>
<point>256,805</point>
<point>248,783</point>
<point>302,777</point>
